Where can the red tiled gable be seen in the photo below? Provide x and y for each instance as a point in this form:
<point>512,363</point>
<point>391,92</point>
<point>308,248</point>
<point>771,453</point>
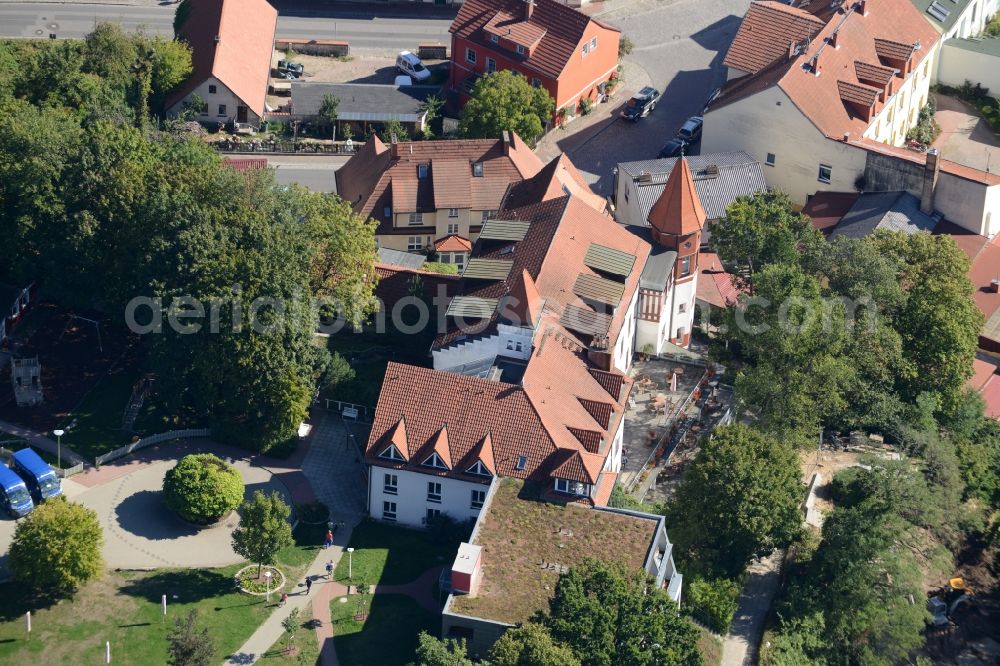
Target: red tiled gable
<point>601,411</point>
<point>524,303</point>
<point>767,32</point>
<point>579,466</point>
<point>453,243</point>
<point>591,439</point>
<point>886,34</point>
<point>482,452</point>
<point>611,382</point>
<point>678,211</point>
<point>857,93</point>
<point>876,75</point>
<point>380,175</point>
<point>717,287</point>
<point>231,40</point>
<point>552,33</point>
<point>439,445</point>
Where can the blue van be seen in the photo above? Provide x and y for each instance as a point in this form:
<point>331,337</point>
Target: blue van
<point>14,496</point>
<point>41,479</point>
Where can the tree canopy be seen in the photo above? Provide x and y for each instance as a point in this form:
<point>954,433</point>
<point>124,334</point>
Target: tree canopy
<point>506,102</point>
<point>738,500</point>
<point>202,488</point>
<point>263,528</point>
<point>57,547</point>
<point>187,646</point>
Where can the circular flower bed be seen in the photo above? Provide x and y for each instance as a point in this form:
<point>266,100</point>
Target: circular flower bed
<point>248,581</point>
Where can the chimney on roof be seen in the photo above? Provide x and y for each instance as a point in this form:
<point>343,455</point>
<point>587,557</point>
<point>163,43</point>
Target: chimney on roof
<point>862,7</point>
<point>931,170</point>
<point>847,137</point>
<point>505,137</point>
<point>529,7</point>
<point>814,65</point>
<point>832,40</point>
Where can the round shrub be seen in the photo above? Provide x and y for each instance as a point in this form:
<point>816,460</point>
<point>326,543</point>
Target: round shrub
<point>203,488</point>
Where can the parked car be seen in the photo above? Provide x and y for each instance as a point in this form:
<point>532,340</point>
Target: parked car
<point>673,148</point>
<point>14,496</point>
<point>38,476</point>
<point>409,64</point>
<point>641,104</point>
<point>285,66</point>
<point>690,131</point>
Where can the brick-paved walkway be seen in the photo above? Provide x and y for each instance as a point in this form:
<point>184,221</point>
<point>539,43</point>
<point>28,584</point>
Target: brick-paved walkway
<point>333,465</point>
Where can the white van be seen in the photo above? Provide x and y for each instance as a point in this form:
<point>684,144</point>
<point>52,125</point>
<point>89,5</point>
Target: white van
<point>409,64</point>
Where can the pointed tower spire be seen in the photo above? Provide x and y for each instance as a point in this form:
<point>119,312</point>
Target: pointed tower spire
<point>678,212</point>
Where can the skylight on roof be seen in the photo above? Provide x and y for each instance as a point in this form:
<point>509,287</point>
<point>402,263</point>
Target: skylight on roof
<point>938,11</point>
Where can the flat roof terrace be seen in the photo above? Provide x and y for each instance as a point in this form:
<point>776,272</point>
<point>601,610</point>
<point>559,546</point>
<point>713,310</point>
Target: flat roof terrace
<point>526,544</point>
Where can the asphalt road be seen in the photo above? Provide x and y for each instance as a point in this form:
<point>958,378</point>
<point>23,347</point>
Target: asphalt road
<point>680,44</point>
<point>76,20</point>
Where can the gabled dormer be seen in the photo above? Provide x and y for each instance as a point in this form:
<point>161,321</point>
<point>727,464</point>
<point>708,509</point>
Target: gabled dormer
<point>481,457</point>
<point>397,448</point>
<point>440,456</point>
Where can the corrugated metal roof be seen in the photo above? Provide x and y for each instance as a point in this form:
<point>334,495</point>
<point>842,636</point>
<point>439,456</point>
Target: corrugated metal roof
<point>363,102</point>
<point>488,269</point>
<point>992,328</point>
<point>507,230</point>
<point>609,260</point>
<point>400,258</point>
<point>739,174</point>
<point>892,211</point>
<point>472,307</point>
<point>585,320</point>
<point>598,289</point>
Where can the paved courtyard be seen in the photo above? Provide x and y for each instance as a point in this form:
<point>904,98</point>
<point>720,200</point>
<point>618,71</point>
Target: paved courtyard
<point>965,136</point>
<point>333,465</point>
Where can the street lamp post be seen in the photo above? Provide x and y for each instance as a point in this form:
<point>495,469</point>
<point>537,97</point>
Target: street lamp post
<point>350,564</point>
<point>267,578</point>
<point>59,434</point>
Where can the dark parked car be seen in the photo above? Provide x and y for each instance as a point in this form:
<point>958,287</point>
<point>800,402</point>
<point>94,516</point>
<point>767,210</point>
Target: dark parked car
<point>642,104</point>
<point>673,148</point>
<point>690,131</point>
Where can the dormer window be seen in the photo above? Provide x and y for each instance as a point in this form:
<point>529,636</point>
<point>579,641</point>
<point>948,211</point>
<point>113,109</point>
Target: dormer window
<point>477,169</point>
<point>522,462</point>
<point>520,50</point>
<point>421,171</point>
<point>494,39</point>
<point>434,460</point>
<point>479,469</point>
<point>391,453</point>
<point>568,487</point>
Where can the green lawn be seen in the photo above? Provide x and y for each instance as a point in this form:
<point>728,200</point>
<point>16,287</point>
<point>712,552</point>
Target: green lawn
<point>124,608</point>
<point>304,639</point>
<point>388,555</point>
<point>388,637</point>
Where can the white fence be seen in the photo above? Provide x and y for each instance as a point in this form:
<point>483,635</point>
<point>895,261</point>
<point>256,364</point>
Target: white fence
<point>149,441</point>
<point>6,453</point>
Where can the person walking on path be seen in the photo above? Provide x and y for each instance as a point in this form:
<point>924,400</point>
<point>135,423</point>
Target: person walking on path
<point>329,539</point>
<point>309,585</point>
<point>284,599</point>
<point>329,570</point>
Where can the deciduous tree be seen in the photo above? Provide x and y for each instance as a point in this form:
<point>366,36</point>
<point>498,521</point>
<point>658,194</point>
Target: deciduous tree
<point>263,528</point>
<point>530,644</point>
<point>57,548</point>
<point>432,651</point>
<point>506,102</point>
<point>189,646</point>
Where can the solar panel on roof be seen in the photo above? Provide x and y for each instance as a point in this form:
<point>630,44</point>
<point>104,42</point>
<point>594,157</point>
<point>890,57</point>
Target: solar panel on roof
<point>609,260</point>
<point>938,11</point>
<point>598,289</point>
<point>585,320</point>
<point>472,307</point>
<point>488,269</point>
<point>506,230</point>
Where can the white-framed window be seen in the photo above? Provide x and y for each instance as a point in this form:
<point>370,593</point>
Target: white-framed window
<point>478,499</point>
<point>222,109</point>
<point>479,469</point>
<point>431,515</point>
<point>389,510</point>
<point>522,462</point>
<point>586,49</point>
<point>491,65</point>
<point>452,212</point>
<point>682,308</point>
<point>769,160</point>
<point>421,171</point>
<point>211,90</point>
<point>460,260</point>
<point>487,214</point>
<point>434,492</point>
<point>434,460</point>
<point>416,219</point>
<point>453,228</point>
<point>391,453</point>
<point>520,50</point>
<point>825,173</point>
<point>571,487</point>
<point>414,244</point>
<point>390,484</point>
<point>593,43</point>
<point>477,169</point>
<point>685,266</point>
<point>470,56</point>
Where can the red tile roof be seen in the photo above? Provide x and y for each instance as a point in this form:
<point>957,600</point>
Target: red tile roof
<point>243,164</point>
<point>889,30</point>
<point>678,211</point>
<point>766,33</point>
<point>827,208</point>
<point>232,40</point>
<point>991,396</point>
<point>551,35</point>
<point>453,243</point>
<point>378,175</point>
<point>717,287</point>
<point>395,283</point>
<point>579,466</point>
<point>524,303</point>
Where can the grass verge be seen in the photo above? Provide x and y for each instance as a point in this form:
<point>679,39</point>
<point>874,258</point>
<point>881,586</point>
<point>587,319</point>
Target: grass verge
<point>389,555</point>
<point>302,648</point>
<point>388,636</point>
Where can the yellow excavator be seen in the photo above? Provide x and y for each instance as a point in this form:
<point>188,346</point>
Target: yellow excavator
<point>943,603</point>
